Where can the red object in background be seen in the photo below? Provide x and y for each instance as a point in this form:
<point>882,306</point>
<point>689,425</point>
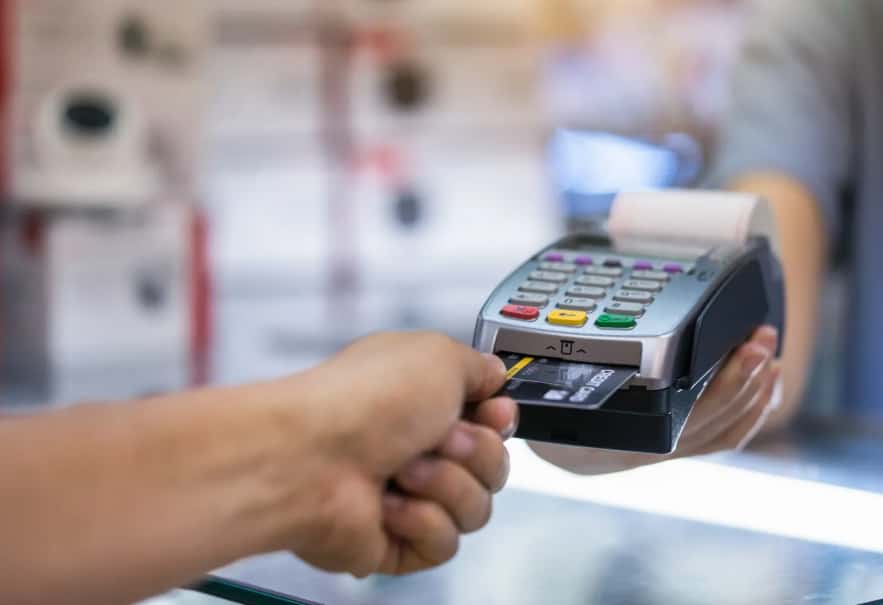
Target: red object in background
<point>7,40</point>
<point>201,303</point>
<point>34,233</point>
<point>386,43</point>
<point>386,161</point>
<point>7,45</point>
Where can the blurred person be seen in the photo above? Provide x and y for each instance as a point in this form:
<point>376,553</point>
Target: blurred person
<point>113,503</point>
<point>805,131</point>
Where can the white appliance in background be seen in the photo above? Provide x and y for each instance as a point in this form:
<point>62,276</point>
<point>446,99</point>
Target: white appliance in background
<point>90,149</point>
<point>103,272</point>
<point>99,277</point>
<point>98,306</point>
<point>441,80</point>
<point>435,185</point>
<point>116,56</point>
<point>444,100</point>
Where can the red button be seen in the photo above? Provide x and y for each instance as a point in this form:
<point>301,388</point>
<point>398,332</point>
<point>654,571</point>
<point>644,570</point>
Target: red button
<point>520,312</point>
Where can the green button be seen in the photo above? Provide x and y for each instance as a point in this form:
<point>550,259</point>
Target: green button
<point>610,320</point>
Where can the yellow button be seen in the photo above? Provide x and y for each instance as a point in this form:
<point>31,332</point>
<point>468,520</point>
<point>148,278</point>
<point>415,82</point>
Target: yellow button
<point>564,317</point>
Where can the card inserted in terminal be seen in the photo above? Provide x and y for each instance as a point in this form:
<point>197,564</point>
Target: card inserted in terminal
<point>625,324</point>
<point>544,381</point>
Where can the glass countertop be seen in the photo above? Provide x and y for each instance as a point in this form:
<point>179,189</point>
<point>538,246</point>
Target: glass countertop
<point>794,520</point>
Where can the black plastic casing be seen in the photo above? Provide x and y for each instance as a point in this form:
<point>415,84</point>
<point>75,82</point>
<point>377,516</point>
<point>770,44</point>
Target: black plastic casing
<point>642,420</point>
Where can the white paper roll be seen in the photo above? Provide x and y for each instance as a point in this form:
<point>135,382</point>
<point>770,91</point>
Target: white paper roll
<point>690,218</point>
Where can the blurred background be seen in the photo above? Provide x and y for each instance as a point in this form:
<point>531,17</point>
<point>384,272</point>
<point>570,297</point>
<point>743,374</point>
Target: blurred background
<point>221,191</point>
<point>215,191</point>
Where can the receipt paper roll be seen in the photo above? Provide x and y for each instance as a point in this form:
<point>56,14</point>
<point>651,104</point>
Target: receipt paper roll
<point>690,218</point>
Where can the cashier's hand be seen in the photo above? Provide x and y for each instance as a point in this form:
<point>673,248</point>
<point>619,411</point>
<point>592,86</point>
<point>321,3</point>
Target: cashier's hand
<point>403,464</point>
<point>730,413</point>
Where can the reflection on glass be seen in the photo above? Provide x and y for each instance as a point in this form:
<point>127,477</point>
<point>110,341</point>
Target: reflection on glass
<point>213,590</point>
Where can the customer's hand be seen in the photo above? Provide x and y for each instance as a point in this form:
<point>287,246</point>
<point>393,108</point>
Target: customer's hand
<point>392,473</point>
<point>731,411</point>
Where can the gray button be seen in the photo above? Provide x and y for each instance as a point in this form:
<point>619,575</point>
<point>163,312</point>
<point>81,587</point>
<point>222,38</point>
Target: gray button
<point>594,280</point>
<point>643,285</point>
<point>539,287</point>
<point>623,308</point>
<point>633,296</point>
<point>651,275</point>
<point>562,267</point>
<point>605,271</point>
<point>552,276</point>
<point>531,300</point>
<point>577,304</point>
<point>586,292</point>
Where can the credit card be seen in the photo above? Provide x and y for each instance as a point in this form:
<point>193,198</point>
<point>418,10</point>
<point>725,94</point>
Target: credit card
<point>545,381</point>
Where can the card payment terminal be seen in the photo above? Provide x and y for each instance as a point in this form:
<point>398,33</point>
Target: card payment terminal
<point>659,322</point>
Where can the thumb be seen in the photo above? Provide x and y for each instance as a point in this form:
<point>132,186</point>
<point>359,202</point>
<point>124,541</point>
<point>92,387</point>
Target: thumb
<point>485,374</point>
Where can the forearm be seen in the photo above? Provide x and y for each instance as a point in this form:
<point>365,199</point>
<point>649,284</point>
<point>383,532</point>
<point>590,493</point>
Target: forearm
<point>803,248</point>
<point>110,503</point>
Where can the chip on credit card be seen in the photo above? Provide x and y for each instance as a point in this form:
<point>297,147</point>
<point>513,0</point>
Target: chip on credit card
<point>545,381</point>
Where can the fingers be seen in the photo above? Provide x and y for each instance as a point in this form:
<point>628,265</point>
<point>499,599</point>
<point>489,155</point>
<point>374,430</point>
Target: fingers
<point>485,374</point>
<point>499,414</point>
<point>771,400</point>
<point>768,336</point>
<point>446,495</point>
<point>480,450</point>
<point>733,412</point>
<point>744,428</point>
<point>738,375</point>
<point>725,411</point>
<point>424,535</point>
<point>748,428</point>
<point>452,486</point>
<point>480,376</point>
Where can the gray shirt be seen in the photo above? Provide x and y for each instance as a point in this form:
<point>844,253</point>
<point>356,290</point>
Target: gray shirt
<point>808,101</point>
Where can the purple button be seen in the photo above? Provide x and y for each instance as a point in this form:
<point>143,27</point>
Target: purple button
<point>643,265</point>
<point>673,268</point>
<point>554,258</point>
<point>583,260</point>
